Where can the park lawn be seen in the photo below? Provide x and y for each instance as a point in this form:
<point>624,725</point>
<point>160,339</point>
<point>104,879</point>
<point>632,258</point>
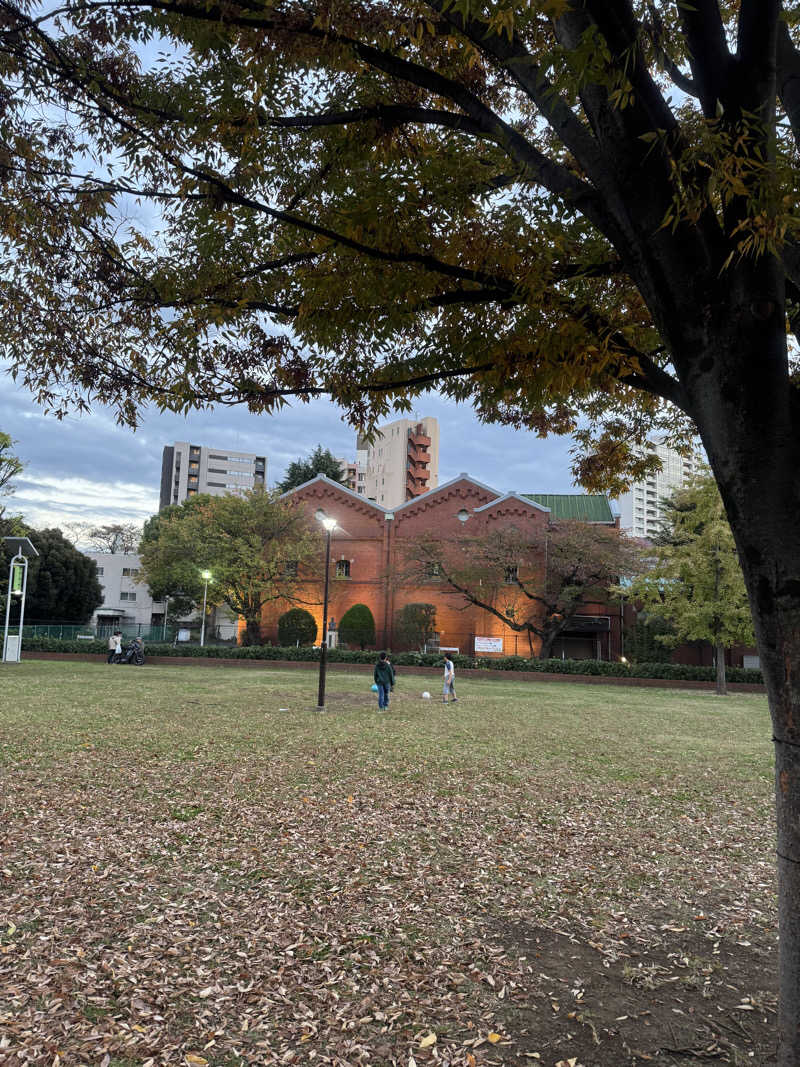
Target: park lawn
<point>195,867</point>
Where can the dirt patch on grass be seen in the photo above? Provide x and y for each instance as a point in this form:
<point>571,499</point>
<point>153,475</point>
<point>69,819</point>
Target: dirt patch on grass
<point>684,998</point>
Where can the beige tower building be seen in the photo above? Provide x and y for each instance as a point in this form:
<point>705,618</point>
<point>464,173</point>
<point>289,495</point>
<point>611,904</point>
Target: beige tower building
<point>402,462</point>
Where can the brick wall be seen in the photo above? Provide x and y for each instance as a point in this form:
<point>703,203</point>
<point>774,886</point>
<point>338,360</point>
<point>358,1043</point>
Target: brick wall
<point>377,545</point>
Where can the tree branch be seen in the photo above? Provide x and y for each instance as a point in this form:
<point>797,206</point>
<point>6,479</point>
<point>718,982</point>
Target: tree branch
<point>709,57</point>
<point>788,58</point>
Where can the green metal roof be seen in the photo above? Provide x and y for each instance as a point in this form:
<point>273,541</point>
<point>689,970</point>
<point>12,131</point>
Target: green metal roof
<point>589,507</point>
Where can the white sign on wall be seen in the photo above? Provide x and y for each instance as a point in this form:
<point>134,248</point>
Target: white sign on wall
<point>488,644</point>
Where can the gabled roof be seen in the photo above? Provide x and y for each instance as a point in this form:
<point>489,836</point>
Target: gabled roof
<point>446,485</point>
<point>588,507</point>
<point>528,501</point>
<point>325,480</point>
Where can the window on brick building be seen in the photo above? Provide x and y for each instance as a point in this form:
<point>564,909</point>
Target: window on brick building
<point>343,568</point>
<point>290,570</point>
<point>511,574</point>
<point>433,571</point>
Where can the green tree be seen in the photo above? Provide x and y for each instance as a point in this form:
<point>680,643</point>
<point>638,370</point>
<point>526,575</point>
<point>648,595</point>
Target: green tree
<point>321,461</point>
<point>414,625</point>
<point>10,468</point>
<point>253,544</point>
<point>534,579</point>
<point>297,627</point>
<point>357,626</point>
<point>511,201</point>
<point>62,582</point>
<point>643,639</point>
<point>695,580</point>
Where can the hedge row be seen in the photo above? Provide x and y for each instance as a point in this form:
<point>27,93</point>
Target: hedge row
<point>672,671</point>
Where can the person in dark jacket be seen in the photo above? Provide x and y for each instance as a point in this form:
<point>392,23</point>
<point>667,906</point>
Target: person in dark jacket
<point>384,679</point>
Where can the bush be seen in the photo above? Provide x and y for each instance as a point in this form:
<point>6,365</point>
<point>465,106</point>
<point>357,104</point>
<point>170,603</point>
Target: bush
<point>357,626</point>
<point>415,624</point>
<point>297,627</point>
<point>672,671</point>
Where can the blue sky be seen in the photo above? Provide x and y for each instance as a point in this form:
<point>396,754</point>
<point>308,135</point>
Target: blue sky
<point>89,468</point>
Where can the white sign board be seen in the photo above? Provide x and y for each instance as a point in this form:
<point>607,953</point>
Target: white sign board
<point>184,635</point>
<point>488,644</point>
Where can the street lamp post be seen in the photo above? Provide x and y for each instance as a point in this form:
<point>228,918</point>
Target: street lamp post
<point>330,526</point>
<point>206,576</point>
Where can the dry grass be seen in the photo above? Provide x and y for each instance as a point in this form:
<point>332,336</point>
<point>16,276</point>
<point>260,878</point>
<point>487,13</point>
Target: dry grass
<point>190,874</point>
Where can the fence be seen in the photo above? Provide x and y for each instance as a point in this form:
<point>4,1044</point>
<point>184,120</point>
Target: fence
<point>223,634</point>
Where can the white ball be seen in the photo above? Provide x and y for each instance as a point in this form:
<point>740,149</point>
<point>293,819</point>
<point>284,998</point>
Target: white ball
<point>426,696</point>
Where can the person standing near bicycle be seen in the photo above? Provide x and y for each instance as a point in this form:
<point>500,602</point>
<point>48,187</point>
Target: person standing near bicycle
<point>449,687</point>
<point>115,647</point>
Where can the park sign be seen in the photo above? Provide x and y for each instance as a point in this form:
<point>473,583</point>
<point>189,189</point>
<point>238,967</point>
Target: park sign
<point>17,586</point>
<point>488,644</point>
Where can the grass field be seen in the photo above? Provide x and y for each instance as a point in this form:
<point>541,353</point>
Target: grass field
<point>541,872</point>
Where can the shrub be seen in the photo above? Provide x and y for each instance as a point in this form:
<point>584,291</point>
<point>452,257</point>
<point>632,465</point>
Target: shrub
<point>357,626</point>
<point>415,624</point>
<point>675,671</point>
<point>297,627</point>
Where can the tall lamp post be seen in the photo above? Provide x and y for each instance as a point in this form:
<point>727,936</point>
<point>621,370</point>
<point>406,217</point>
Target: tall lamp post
<point>330,526</point>
<point>206,576</point>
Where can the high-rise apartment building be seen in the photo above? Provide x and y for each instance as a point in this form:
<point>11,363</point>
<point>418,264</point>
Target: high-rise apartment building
<point>641,508</point>
<point>401,463</point>
<point>188,469</point>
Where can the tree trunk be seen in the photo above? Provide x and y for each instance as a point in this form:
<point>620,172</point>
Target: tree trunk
<point>747,413</point>
<point>546,647</point>
<point>722,681</point>
<point>251,635</point>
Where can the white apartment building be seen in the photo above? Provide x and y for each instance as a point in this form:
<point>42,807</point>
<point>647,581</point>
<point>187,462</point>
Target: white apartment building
<point>127,605</point>
<point>641,508</point>
<point>187,469</point>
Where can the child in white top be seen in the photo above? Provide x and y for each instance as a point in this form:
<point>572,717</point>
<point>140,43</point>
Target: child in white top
<point>449,688</point>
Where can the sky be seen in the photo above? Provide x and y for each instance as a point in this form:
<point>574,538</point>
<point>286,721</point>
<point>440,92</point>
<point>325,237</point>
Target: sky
<point>87,468</point>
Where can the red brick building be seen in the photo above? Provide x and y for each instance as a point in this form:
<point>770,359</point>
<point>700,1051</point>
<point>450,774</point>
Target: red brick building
<point>369,549</point>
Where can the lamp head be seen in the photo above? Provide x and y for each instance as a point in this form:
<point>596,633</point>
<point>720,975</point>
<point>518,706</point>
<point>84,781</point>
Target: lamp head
<point>326,520</point>
<point>205,575</point>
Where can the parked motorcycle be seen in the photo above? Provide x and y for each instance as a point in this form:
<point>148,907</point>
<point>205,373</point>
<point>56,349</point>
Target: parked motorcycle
<point>133,653</point>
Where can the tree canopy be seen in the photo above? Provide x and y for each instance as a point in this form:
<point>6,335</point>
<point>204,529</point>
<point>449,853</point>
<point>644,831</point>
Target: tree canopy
<point>694,580</point>
<point>533,579</point>
<point>300,471</point>
<point>62,582</point>
<point>415,625</point>
<point>252,544</point>
<point>11,466</point>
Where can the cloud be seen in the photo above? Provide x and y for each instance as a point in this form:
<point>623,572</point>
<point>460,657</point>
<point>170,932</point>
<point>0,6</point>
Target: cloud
<point>47,501</point>
<point>88,467</point>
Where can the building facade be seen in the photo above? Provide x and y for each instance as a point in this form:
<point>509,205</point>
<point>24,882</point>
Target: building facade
<point>642,507</point>
<point>369,553</point>
<point>188,469</point>
<point>127,605</point>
